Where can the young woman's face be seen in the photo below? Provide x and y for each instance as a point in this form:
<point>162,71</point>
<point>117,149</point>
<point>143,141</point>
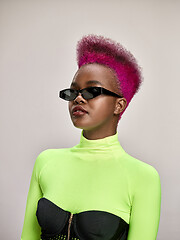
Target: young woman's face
<point>100,110</point>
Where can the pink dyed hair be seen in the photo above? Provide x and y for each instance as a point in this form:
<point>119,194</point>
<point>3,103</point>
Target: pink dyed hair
<point>98,49</point>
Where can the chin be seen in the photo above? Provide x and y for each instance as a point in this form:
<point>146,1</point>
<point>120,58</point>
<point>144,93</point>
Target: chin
<point>80,125</point>
<point>85,126</point>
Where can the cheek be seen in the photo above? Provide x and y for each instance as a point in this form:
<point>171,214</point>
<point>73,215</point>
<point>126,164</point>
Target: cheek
<point>69,105</point>
<point>102,108</point>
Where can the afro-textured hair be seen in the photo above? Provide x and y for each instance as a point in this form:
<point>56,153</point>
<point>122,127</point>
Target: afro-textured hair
<point>98,49</point>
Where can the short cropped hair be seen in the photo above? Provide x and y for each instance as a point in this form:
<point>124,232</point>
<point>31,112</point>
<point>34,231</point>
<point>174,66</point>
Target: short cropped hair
<point>98,49</point>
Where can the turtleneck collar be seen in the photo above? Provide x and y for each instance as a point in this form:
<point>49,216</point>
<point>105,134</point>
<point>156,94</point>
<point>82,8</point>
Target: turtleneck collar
<point>107,142</point>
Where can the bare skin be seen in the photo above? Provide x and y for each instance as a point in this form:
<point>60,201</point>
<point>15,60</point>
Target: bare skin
<point>103,111</point>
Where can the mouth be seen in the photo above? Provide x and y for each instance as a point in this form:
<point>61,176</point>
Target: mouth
<point>79,113</point>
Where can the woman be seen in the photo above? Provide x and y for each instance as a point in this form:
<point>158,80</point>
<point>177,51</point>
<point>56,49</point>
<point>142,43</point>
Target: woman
<point>95,190</point>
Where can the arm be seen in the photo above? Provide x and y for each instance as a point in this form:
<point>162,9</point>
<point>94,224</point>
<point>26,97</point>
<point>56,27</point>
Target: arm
<point>146,206</point>
<point>31,229</point>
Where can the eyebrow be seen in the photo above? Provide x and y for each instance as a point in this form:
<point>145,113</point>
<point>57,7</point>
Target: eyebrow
<point>87,83</point>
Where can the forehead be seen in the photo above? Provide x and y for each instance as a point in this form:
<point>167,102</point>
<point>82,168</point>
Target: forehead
<point>93,74</point>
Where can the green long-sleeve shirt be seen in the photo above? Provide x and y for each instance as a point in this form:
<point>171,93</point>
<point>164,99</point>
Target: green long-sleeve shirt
<point>96,175</point>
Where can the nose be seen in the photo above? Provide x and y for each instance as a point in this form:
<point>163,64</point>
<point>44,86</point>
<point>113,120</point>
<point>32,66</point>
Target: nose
<point>79,98</point>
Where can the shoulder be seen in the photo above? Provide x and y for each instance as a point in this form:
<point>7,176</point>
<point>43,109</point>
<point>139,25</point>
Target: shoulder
<point>141,172</point>
<point>47,156</point>
<point>144,178</point>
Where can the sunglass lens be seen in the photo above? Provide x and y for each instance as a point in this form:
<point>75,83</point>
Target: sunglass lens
<point>91,92</point>
<point>68,94</point>
<point>87,94</point>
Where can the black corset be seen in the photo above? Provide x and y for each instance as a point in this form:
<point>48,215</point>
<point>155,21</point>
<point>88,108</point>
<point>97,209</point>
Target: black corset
<point>57,224</point>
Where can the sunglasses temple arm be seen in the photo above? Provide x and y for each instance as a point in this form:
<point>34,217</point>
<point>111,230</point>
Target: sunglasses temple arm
<point>111,93</point>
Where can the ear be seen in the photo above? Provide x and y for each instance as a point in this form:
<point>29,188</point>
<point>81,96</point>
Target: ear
<point>121,104</point>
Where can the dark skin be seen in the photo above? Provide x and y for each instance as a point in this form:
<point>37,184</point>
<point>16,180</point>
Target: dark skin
<point>103,111</point>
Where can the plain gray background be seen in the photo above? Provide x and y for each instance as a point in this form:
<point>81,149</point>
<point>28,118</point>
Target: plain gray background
<point>38,58</point>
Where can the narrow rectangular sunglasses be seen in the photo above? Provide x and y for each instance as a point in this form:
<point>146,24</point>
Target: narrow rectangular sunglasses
<point>70,94</point>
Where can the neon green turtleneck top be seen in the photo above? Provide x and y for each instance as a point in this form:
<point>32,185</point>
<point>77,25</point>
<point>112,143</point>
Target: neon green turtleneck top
<point>96,175</point>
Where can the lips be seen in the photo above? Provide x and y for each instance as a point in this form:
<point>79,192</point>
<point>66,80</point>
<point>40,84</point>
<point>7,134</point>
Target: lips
<point>79,108</point>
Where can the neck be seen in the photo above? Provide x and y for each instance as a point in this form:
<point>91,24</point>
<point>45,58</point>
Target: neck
<point>104,147</point>
<point>106,143</point>
<point>95,134</point>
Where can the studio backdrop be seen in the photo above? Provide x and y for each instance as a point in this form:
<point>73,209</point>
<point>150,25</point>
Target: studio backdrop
<point>38,59</point>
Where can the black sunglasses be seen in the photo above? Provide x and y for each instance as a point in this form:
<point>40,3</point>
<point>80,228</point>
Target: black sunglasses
<point>70,94</point>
